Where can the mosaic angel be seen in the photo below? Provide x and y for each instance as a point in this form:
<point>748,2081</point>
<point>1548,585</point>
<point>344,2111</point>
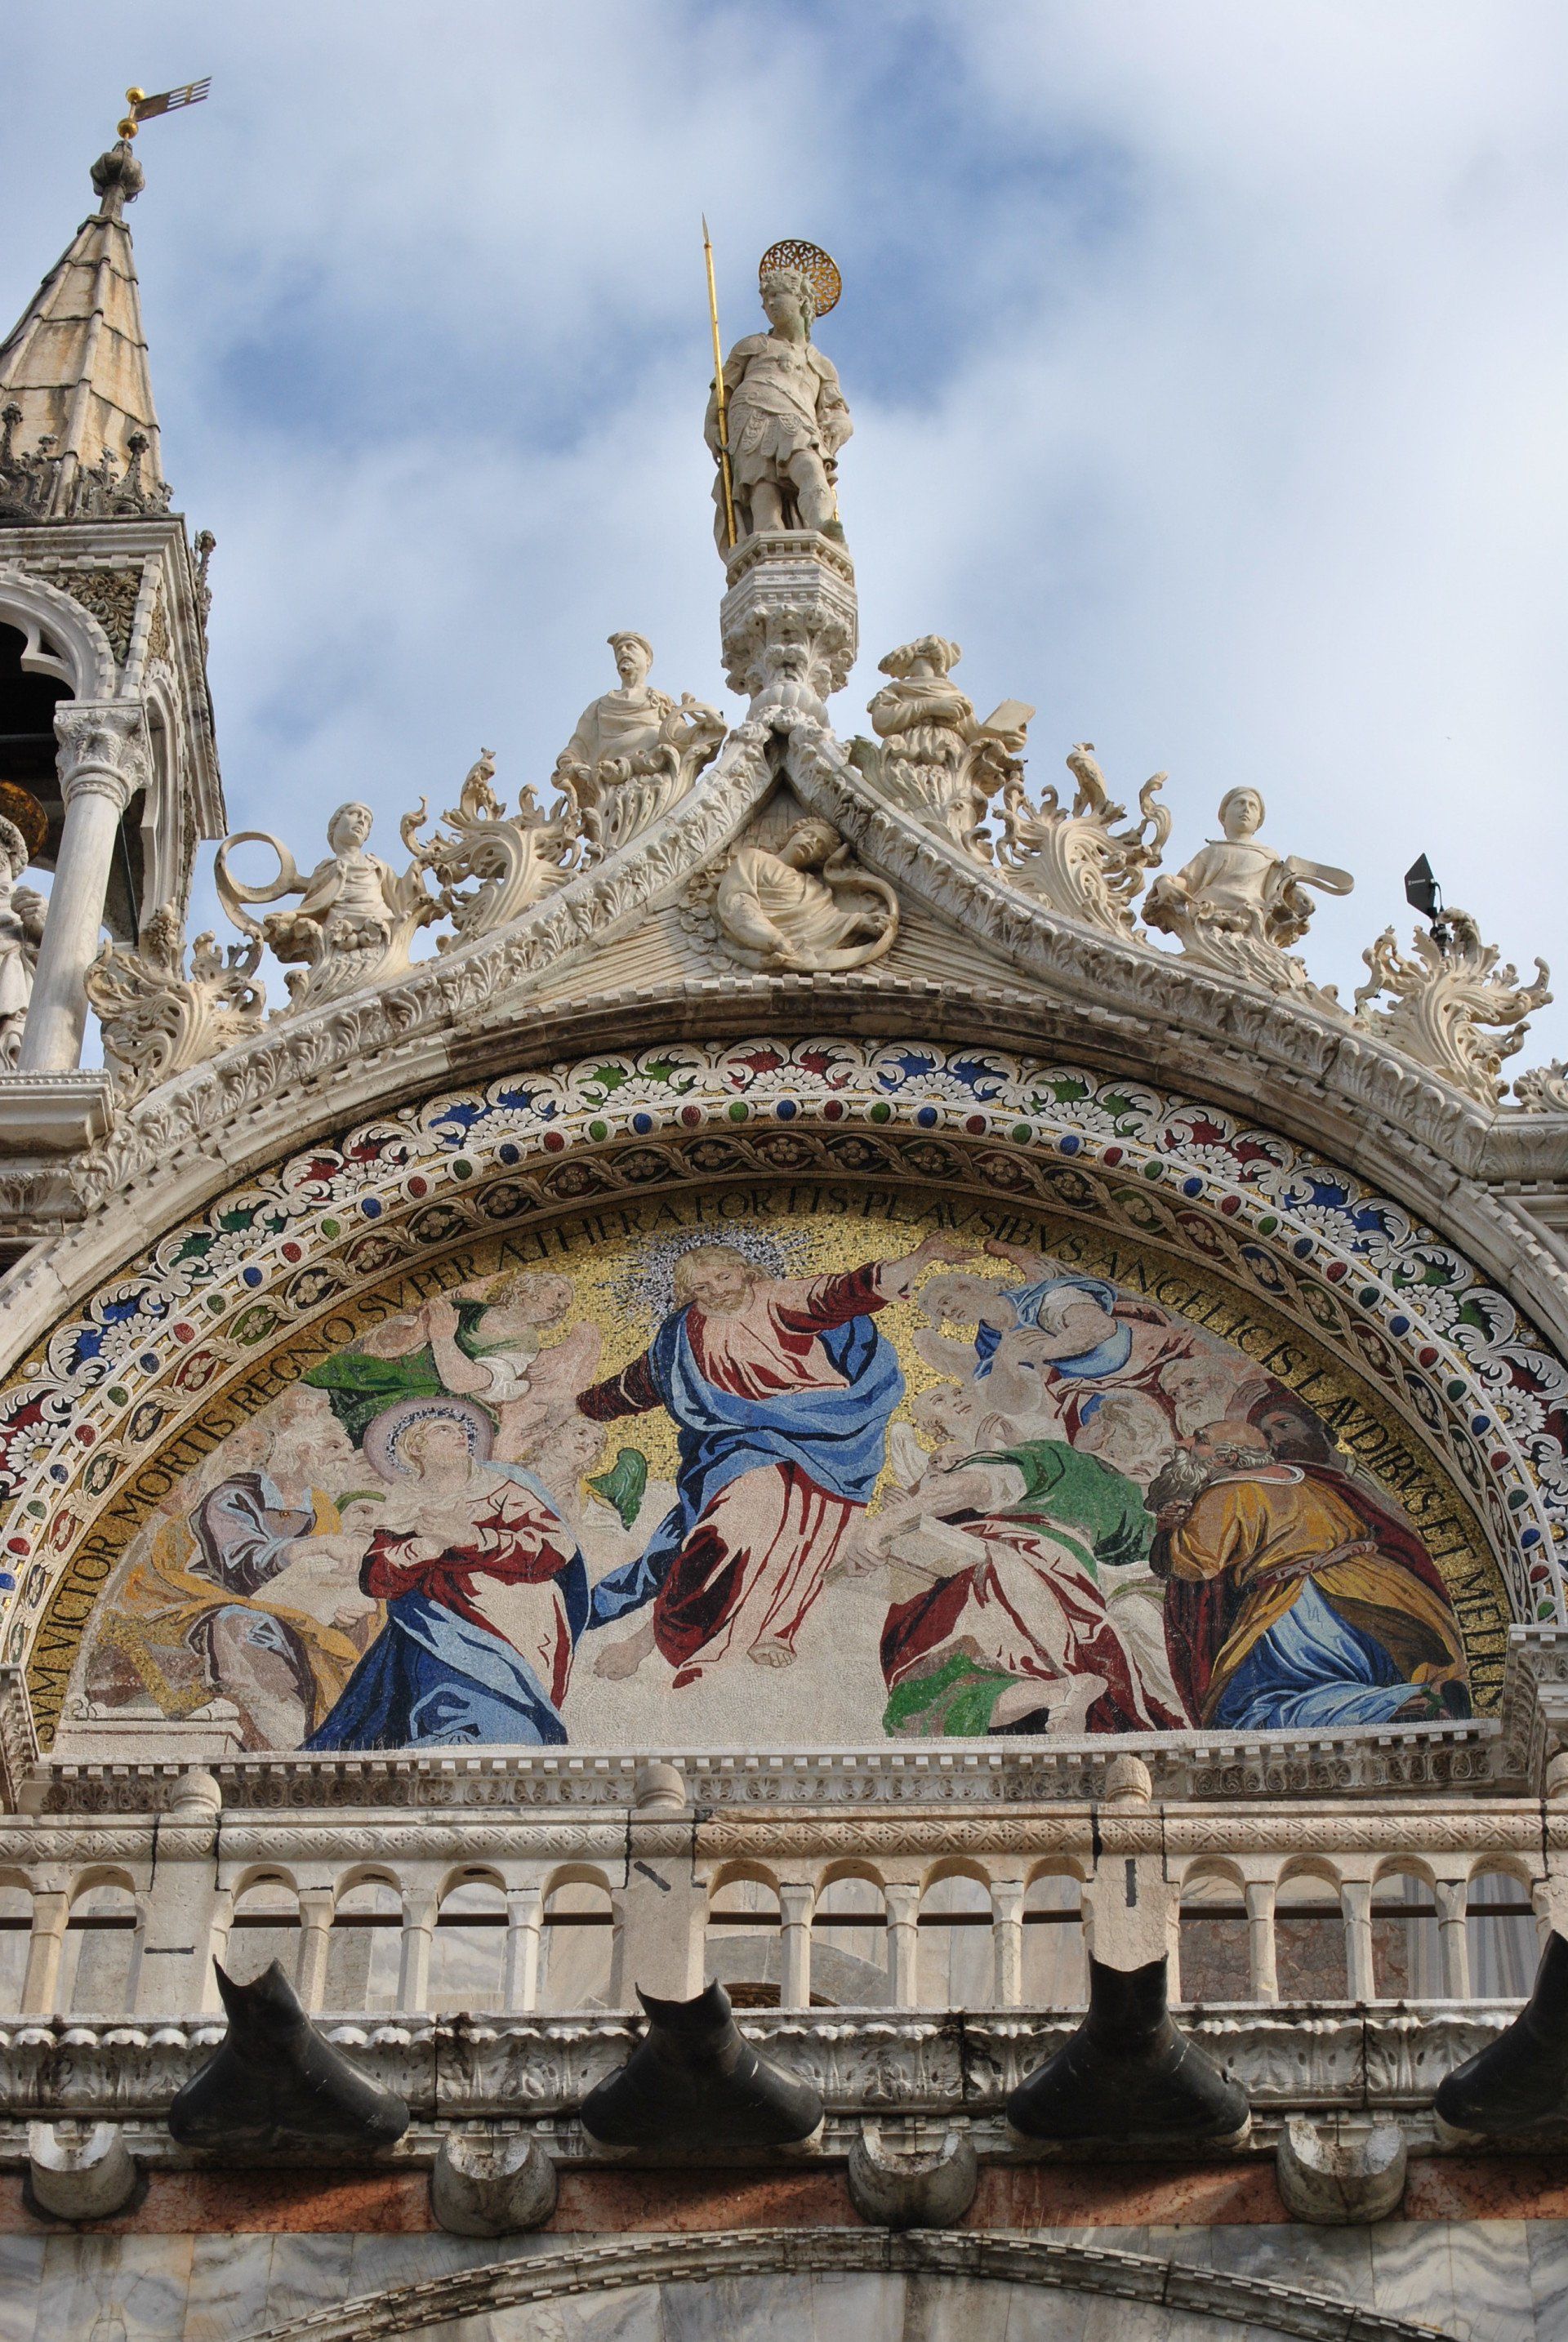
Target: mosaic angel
<point>484,1341</point>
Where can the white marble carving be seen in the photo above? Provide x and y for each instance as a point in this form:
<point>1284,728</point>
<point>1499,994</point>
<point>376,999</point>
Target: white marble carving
<point>1444,999</point>
<point>356,917</point>
<point>936,760</point>
<point>515,858</point>
<point>808,906</point>
<point>1075,858</point>
<point>1238,902</point>
<point>787,421</point>
<point>634,754</point>
<point>21,932</point>
<point>1545,1088</point>
<point>156,1019</point>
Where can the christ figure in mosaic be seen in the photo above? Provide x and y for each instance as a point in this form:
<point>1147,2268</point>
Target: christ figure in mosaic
<point>783,1388</point>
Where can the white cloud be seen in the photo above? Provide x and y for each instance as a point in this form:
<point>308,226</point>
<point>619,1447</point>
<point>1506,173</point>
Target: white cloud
<point>1207,365</point>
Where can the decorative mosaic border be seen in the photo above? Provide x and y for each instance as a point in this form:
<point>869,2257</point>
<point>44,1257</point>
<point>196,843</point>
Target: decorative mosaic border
<point>114,1382</point>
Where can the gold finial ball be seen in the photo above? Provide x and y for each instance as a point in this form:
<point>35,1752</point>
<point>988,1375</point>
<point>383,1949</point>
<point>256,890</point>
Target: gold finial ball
<point>816,266</point>
<point>130,125</point>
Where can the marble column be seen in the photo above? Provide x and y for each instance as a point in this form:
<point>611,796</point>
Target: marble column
<point>1362,1981</point>
<point>418,1927</point>
<point>904,1944</point>
<point>795,1900</point>
<point>525,1916</point>
<point>1452,1897</point>
<point>1007,1941</point>
<point>316,1909</point>
<point>51,1910</point>
<point>101,762</point>
<point>1259,1895</point>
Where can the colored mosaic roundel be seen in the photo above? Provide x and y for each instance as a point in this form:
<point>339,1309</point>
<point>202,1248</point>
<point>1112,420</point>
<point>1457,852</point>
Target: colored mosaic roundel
<point>779,1463</point>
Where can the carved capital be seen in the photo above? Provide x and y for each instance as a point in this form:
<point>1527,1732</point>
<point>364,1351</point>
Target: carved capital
<point>103,749</point>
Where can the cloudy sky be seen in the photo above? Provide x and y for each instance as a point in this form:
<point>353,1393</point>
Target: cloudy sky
<point>1207,362</point>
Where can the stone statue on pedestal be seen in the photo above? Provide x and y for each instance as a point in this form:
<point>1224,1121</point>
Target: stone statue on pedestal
<point>779,408</point>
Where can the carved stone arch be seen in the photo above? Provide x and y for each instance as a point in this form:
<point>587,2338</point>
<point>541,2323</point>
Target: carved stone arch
<point>792,2283</point>
<point>34,606</point>
<point>294,1258</point>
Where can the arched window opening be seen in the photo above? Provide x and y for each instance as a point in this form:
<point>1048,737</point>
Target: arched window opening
<point>28,747</point>
<point>955,1967</point>
<point>97,1968</point>
<point>1501,1937</point>
<point>1310,1949</point>
<point>15,1935</point>
<point>1406,1954</point>
<point>468,1949</point>
<point>849,1965</point>
<point>1216,1951</point>
<point>365,1949</point>
<point>1055,1962</point>
<point>576,1948</point>
<point>744,1944</point>
<point>264,1927</point>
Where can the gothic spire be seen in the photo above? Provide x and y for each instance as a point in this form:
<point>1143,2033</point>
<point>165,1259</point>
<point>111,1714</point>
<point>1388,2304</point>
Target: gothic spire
<point>78,430</point>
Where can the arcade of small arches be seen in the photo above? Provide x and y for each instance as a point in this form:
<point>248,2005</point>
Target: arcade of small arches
<point>441,1941</point>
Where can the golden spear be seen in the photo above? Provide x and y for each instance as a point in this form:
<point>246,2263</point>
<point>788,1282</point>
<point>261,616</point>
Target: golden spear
<point>720,393</point>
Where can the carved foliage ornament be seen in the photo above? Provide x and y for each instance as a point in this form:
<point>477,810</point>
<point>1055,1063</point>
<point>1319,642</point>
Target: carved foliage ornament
<point>157,1019</point>
<point>1075,858</point>
<point>1443,1000</point>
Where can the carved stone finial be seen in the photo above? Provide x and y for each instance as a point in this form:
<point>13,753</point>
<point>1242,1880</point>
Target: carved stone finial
<point>1237,903</point>
<point>936,761</point>
<point>516,858</point>
<point>1545,1088</point>
<point>1444,998</point>
<point>1075,858</point>
<point>118,179</point>
<point>156,1019</point>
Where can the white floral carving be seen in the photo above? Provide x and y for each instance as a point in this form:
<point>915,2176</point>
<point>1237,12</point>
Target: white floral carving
<point>1444,999</point>
<point>1073,857</point>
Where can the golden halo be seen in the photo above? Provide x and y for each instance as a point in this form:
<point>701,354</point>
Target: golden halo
<point>19,806</point>
<point>820,270</point>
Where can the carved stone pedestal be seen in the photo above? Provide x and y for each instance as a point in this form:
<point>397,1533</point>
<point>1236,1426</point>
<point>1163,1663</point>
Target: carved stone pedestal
<point>789,622</point>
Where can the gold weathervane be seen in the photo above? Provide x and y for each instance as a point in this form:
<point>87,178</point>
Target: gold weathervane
<point>168,101</point>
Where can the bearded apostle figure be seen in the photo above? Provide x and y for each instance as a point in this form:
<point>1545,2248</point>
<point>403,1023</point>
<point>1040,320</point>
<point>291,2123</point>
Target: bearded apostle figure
<point>1290,1601</point>
<point>781,1388</point>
